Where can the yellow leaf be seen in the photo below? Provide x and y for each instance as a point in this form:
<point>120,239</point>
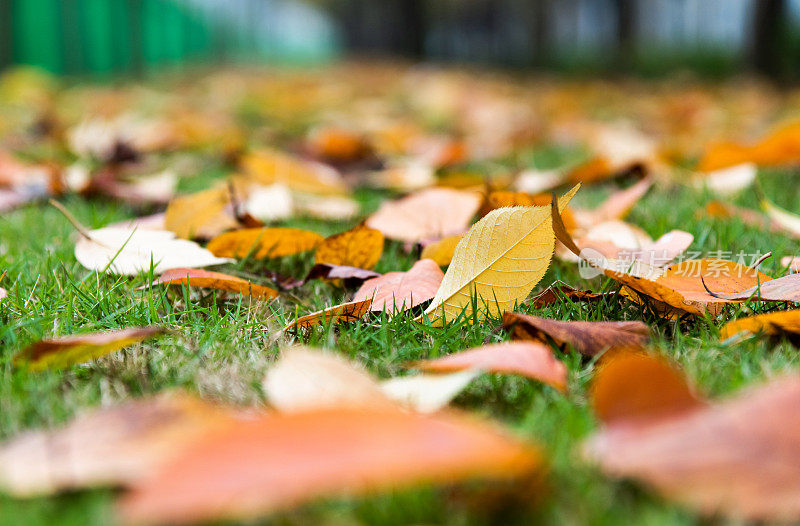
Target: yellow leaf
<point>499,260</point>
<point>442,251</point>
<point>200,215</point>
<point>360,247</point>
<point>269,167</point>
<point>264,242</point>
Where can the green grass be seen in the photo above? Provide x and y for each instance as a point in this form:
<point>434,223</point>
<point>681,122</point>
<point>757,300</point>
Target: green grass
<point>221,349</point>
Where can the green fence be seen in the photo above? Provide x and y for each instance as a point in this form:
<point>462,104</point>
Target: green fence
<point>117,36</point>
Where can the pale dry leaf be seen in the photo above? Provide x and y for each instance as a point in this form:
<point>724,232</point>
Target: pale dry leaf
<point>728,181</point>
<point>304,379</point>
<point>428,393</point>
<point>427,214</point>
<point>129,251</point>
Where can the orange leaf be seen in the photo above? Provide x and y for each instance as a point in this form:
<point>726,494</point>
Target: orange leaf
<point>586,337</point>
<point>398,291</point>
<point>214,280</point>
<point>635,388</point>
<point>57,353</point>
<point>738,458</point>
<point>284,460</point>
<point>360,247</point>
<point>773,324</point>
<point>786,288</point>
<point>529,359</point>
<point>113,445</point>
<point>264,242</point>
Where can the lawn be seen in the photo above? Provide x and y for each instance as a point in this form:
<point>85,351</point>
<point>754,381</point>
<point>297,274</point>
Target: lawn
<point>220,349</point>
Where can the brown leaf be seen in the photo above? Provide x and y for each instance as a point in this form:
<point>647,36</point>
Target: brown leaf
<point>530,359</point>
<point>586,337</point>
<point>772,324</point>
<point>430,213</point>
<point>263,243</point>
<point>738,458</point>
<point>552,295</point>
<point>110,446</point>
<point>345,312</point>
<point>634,388</point>
<point>214,280</point>
<point>352,276</point>
<point>283,460</point>
<point>398,291</point>
<point>57,353</point>
<point>360,247</point>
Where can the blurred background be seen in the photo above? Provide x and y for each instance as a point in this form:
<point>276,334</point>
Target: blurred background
<point>649,37</point>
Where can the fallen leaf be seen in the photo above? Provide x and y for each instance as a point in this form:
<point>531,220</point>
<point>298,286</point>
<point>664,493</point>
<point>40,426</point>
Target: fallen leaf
<point>328,207</point>
<point>781,218</point>
<point>688,278</point>
<point>336,143</point>
<point>304,379</point>
<point>268,167</point>
<point>129,251</point>
<point>552,295</point>
<point>214,280</point>
<point>345,312</point>
<point>360,247</point>
<point>529,359</point>
<point>352,276</point>
<point>110,446</point>
<point>398,291</point>
<point>428,214</point>
<point>786,288</point>
<point>58,353</point>
<point>202,215</point>
<point>616,206</point>
<point>261,243</point>
<point>499,260</point>
<point>442,251</point>
<point>772,324</point>
<point>728,181</point>
<point>640,280</point>
<point>284,460</point>
<point>586,337</point>
<point>633,388</point>
<point>269,203</point>
<point>536,181</point>
<point>428,393</point>
<point>737,458</point>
